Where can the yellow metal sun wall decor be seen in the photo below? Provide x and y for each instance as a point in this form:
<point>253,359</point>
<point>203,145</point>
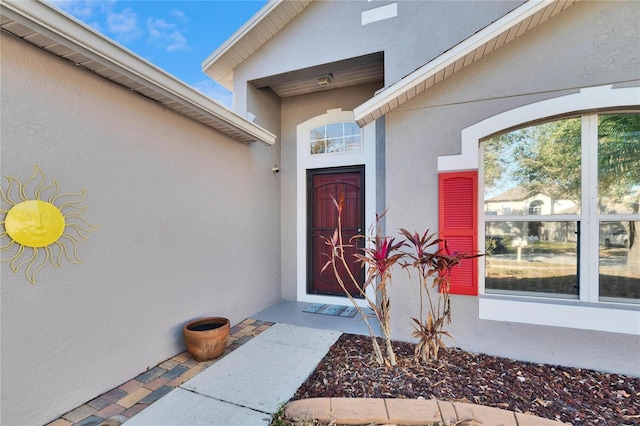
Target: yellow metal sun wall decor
<point>49,228</point>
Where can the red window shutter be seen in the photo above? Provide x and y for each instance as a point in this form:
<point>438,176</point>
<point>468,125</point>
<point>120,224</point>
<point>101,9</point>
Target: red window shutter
<point>458,225</point>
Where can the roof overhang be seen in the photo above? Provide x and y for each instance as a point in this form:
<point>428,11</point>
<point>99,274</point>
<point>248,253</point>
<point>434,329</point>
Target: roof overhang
<point>58,33</point>
<point>330,76</point>
<point>249,38</point>
<point>512,25</point>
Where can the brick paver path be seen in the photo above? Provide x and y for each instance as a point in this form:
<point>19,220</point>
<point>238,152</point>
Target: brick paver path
<point>138,393</point>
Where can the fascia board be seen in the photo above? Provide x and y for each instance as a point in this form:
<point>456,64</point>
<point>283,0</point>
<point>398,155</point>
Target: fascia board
<point>239,34</point>
<point>449,57</point>
<point>66,30</point>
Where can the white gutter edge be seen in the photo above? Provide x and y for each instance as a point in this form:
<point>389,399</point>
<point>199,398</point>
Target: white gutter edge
<point>69,31</point>
<point>450,56</point>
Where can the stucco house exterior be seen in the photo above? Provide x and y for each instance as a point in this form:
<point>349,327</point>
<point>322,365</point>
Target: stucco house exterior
<point>390,104</point>
<point>427,93</point>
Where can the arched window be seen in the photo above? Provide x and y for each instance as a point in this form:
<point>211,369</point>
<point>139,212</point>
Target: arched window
<point>589,167</point>
<point>536,207</point>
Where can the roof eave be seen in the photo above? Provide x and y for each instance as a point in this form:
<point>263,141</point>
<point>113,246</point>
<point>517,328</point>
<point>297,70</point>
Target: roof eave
<point>62,28</point>
<point>266,23</point>
<point>209,63</point>
<point>528,15</point>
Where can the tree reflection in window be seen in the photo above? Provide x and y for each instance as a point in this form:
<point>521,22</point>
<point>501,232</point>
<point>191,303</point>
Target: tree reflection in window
<point>537,171</point>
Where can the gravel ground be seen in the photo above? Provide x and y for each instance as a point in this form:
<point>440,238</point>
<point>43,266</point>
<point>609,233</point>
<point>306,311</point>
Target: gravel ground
<point>577,396</point>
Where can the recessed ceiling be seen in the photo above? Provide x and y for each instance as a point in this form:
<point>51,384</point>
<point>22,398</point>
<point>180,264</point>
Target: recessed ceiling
<point>345,73</point>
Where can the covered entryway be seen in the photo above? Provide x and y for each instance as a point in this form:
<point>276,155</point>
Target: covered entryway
<point>334,158</point>
<point>345,185</point>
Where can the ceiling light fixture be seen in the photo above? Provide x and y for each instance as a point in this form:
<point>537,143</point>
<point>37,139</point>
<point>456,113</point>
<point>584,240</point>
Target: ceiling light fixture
<point>324,80</point>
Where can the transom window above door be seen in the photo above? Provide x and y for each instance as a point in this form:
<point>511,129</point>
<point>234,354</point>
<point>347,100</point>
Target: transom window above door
<point>335,138</point>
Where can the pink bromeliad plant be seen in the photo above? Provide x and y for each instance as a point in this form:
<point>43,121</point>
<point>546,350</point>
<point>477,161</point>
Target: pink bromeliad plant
<point>430,257</point>
<point>378,257</point>
<point>433,261</point>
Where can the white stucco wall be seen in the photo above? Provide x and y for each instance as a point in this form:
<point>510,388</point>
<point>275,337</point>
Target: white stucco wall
<point>189,226</point>
<point>592,43</point>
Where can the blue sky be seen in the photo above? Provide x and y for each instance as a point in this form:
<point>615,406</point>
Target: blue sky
<point>175,35</point>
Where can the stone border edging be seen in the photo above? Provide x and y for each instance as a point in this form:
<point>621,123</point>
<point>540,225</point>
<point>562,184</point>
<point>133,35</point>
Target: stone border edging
<point>358,411</point>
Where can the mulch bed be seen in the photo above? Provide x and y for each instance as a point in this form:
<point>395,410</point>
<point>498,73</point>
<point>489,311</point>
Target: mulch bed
<point>578,396</point>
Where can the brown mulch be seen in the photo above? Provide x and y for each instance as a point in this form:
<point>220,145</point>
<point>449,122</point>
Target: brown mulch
<point>578,396</point>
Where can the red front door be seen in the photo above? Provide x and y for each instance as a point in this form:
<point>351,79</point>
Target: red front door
<point>323,187</point>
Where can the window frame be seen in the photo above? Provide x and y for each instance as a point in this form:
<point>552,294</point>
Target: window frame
<point>343,138</point>
<point>588,218</point>
<point>586,312</point>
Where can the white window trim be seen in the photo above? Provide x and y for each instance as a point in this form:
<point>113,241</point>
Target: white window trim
<point>585,313</point>
<point>306,161</point>
<point>598,97</point>
<point>561,313</point>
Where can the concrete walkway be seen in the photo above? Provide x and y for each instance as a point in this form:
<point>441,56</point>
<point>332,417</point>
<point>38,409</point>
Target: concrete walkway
<point>246,386</point>
<point>358,411</point>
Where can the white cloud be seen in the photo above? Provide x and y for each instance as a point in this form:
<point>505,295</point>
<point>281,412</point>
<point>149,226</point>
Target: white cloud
<point>179,42</point>
<point>179,15</point>
<point>216,92</point>
<point>157,27</point>
<point>163,33</point>
<point>87,11</point>
<point>123,25</point>
<point>102,15</point>
<point>82,9</point>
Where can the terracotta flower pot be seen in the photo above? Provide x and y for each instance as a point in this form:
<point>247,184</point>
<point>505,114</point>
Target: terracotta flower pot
<point>206,338</point>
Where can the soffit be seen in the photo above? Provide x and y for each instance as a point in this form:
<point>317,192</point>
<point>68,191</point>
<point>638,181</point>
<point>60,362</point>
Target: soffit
<point>512,25</point>
<point>250,37</point>
<point>344,73</point>
<point>62,35</point>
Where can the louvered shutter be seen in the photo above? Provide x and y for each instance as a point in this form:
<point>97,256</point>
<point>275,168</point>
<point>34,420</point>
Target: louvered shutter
<point>458,223</point>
